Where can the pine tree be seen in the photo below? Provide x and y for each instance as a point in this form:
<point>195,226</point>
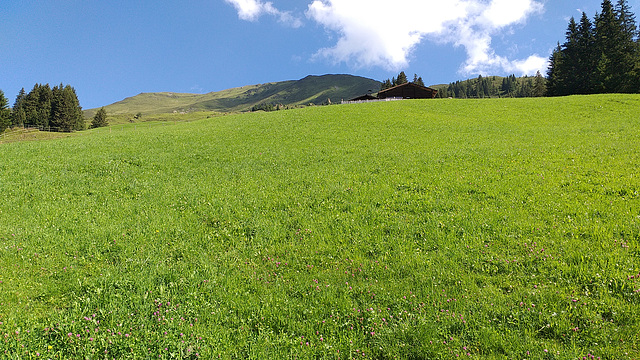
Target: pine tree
<point>18,116</point>
<point>629,47</point>
<point>586,61</point>
<point>571,59</point>
<point>608,31</point>
<point>37,106</point>
<point>402,78</point>
<point>5,114</point>
<point>386,85</point>
<point>100,119</point>
<point>67,113</point>
<point>539,88</point>
<point>479,88</point>
<point>554,79</point>
<point>420,81</point>
<point>598,57</point>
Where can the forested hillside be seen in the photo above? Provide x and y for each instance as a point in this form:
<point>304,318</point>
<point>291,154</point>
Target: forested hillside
<point>494,87</point>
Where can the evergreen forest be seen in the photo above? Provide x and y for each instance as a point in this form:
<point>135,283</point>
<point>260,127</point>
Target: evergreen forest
<point>494,87</point>
<point>598,56</point>
<point>46,108</point>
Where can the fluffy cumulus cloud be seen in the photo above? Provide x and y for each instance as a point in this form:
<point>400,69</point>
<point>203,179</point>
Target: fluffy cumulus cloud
<point>251,10</point>
<point>384,33</point>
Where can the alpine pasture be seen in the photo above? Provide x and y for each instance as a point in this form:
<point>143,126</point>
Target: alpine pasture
<point>480,229</point>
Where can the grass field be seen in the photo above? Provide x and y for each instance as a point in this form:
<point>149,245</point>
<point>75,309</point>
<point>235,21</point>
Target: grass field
<point>481,229</point>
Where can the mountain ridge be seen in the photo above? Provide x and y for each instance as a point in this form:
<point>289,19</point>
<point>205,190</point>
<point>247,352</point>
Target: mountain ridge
<point>312,89</point>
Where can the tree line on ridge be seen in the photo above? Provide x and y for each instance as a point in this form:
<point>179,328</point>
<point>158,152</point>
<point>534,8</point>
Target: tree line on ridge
<point>46,108</point>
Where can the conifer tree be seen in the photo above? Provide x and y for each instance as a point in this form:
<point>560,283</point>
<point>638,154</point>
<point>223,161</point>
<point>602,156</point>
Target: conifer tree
<point>608,49</point>
<point>586,60</point>
<point>66,112</point>
<point>100,119</point>
<point>539,88</point>
<point>598,57</point>
<point>402,78</point>
<point>417,80</point>
<point>17,114</point>
<point>5,114</point>
<point>554,74</point>
<point>629,47</point>
<point>37,106</point>
<point>569,66</point>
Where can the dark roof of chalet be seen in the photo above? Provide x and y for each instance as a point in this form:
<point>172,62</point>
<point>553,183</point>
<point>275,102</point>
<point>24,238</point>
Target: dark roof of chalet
<point>364,97</point>
<point>409,88</point>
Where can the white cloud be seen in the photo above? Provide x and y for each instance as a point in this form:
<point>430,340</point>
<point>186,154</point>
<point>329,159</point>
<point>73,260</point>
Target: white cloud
<point>251,10</point>
<point>383,33</point>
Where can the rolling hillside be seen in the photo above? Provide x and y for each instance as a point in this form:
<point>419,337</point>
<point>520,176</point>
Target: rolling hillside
<point>488,229</point>
<point>311,89</point>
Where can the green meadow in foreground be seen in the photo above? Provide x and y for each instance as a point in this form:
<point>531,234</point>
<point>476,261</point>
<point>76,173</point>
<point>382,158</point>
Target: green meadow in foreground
<point>481,229</point>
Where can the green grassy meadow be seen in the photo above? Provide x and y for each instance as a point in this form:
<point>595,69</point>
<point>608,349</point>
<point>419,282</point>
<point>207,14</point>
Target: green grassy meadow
<point>440,229</point>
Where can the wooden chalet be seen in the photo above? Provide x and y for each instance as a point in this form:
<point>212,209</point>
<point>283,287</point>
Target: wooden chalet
<point>408,91</point>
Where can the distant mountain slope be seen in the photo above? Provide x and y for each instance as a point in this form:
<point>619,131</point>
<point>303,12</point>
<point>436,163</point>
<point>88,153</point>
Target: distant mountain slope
<point>311,89</point>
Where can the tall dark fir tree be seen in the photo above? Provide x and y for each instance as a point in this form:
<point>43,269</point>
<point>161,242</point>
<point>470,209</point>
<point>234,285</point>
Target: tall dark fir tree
<point>66,114</point>
<point>586,59</point>
<point>402,78</point>
<point>99,119</point>
<point>5,113</point>
<point>630,48</point>
<point>18,116</point>
<point>615,48</point>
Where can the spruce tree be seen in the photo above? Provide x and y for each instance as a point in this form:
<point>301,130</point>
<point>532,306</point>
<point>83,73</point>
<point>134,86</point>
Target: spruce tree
<point>67,113</point>
<point>37,106</point>
<point>5,113</point>
<point>608,31</point>
<point>555,80</point>
<point>17,114</point>
<point>402,78</point>
<point>629,51</point>
<point>99,119</point>
<point>539,88</point>
<point>569,66</point>
<point>586,61</point>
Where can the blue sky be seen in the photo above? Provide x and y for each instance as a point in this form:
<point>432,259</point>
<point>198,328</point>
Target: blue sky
<point>110,50</point>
